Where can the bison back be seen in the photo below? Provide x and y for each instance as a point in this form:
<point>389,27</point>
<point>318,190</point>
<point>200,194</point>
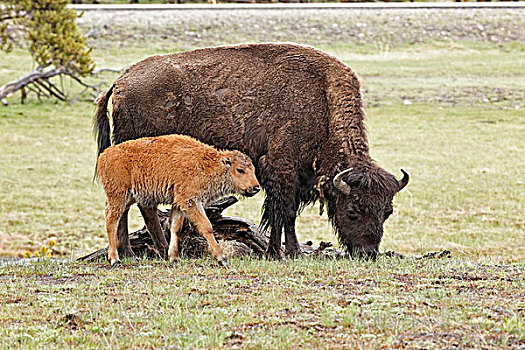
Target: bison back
<point>251,98</point>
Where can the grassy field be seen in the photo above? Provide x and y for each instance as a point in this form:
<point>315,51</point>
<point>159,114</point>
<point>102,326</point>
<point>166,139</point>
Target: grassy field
<point>448,112</point>
<point>259,304</point>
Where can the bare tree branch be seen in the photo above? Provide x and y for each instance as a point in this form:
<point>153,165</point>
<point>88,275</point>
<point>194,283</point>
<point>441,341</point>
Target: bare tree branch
<point>80,81</point>
<point>38,91</point>
<point>40,83</point>
<point>54,87</point>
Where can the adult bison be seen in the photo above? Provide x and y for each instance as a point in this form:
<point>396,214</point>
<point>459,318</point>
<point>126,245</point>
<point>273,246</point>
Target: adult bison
<point>296,111</point>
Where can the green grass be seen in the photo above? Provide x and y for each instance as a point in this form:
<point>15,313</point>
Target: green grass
<point>259,304</point>
<point>464,156</point>
<point>460,136</point>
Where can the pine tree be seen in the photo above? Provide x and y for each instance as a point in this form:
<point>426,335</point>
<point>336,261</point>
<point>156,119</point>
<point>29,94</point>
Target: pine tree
<point>53,38</point>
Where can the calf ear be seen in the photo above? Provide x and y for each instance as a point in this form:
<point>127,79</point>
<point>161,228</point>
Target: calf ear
<point>227,161</point>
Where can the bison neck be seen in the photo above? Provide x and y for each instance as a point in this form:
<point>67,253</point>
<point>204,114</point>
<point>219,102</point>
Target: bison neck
<point>218,187</point>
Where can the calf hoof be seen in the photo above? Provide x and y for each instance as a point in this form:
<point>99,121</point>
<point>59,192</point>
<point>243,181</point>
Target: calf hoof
<point>224,263</point>
<point>116,265</point>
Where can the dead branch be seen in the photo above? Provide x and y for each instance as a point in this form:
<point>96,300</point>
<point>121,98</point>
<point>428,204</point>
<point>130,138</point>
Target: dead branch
<point>36,90</point>
<point>43,85</point>
<point>31,78</point>
<point>237,236</point>
<point>78,80</point>
<point>38,81</point>
<point>54,87</point>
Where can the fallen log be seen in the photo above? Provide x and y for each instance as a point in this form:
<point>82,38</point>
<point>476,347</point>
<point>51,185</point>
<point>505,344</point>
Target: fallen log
<point>35,77</point>
<point>237,236</point>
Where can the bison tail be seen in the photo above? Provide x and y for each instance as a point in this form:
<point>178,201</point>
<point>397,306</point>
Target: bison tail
<point>101,127</point>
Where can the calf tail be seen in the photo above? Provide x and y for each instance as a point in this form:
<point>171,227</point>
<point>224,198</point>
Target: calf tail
<point>101,127</point>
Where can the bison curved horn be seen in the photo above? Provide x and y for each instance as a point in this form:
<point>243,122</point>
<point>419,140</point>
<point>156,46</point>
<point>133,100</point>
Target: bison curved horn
<point>340,184</point>
<point>404,181</point>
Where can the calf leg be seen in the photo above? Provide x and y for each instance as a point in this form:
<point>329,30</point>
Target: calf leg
<point>151,219</point>
<point>197,216</point>
<point>113,214</point>
<point>177,219</point>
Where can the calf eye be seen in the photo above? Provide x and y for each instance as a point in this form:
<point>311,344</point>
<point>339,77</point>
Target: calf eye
<point>240,171</point>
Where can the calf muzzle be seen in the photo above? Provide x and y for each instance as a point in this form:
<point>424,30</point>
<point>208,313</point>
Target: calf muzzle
<point>252,191</point>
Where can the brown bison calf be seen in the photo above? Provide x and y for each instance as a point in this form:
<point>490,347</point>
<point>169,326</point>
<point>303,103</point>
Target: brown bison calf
<point>176,170</point>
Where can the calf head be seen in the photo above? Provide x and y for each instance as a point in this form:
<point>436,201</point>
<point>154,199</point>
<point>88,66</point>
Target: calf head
<point>242,173</point>
<point>361,204</point>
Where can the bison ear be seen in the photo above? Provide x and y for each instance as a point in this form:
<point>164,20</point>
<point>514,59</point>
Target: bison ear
<point>227,161</point>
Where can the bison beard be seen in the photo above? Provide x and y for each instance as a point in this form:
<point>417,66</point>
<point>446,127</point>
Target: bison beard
<point>296,111</point>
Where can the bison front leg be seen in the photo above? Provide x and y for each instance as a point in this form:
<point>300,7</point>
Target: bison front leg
<point>280,207</point>
<point>274,245</point>
<point>276,219</point>
<point>293,249</point>
<point>197,216</point>
<point>151,219</point>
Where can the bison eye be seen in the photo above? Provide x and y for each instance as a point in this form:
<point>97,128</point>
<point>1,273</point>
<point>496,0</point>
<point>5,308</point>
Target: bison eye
<point>353,215</point>
<point>240,171</point>
<point>388,213</point>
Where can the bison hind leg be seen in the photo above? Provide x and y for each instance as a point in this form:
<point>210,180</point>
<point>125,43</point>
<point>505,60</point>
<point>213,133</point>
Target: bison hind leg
<point>124,245</point>
<point>151,219</point>
<point>113,214</point>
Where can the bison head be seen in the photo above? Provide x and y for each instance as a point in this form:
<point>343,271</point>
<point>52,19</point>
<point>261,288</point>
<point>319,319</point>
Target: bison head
<point>242,174</point>
<point>360,205</point>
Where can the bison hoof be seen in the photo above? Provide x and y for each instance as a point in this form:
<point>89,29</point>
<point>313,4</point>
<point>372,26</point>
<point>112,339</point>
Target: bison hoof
<point>273,254</point>
<point>127,253</point>
<point>293,253</point>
